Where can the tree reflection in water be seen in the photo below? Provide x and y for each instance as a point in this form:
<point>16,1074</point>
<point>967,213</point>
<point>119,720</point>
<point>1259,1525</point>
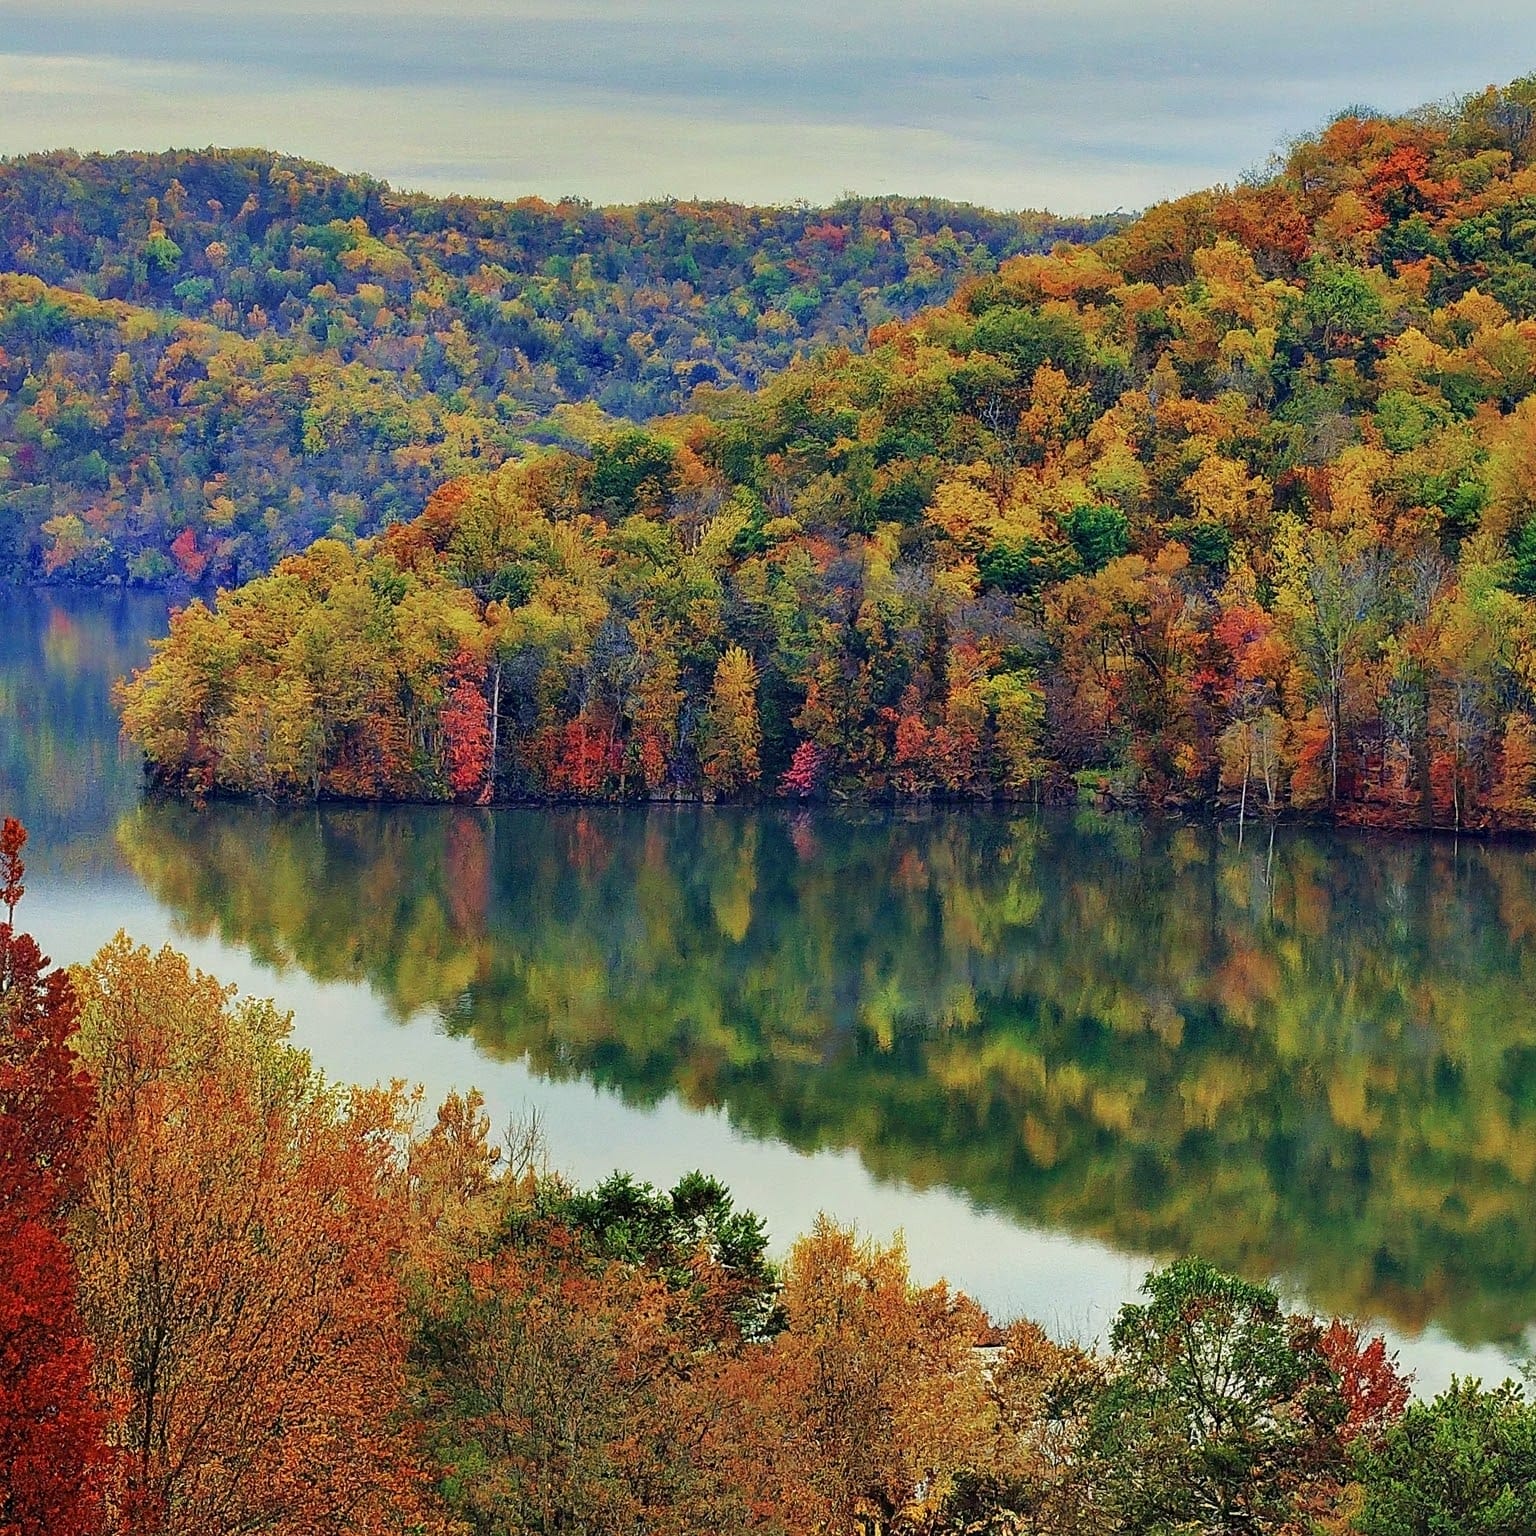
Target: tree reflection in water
<point>1306,1055</point>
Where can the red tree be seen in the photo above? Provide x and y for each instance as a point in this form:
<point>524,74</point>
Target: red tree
<point>466,720</point>
<point>579,758</point>
<point>52,1449</point>
<point>1375,1392</point>
<point>806,770</point>
<point>190,560</point>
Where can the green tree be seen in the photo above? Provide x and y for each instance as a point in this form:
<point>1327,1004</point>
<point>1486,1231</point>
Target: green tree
<point>1341,303</point>
<point>691,1235</point>
<point>634,470</point>
<point>1219,1411</point>
<point>1463,1465</point>
<point>1099,534</point>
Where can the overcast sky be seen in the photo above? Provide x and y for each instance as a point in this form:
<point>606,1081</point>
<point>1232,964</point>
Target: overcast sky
<point>1078,105</point>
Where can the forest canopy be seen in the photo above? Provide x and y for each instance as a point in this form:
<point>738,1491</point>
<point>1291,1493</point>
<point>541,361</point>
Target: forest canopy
<point>1236,506</point>
<point>209,359</point>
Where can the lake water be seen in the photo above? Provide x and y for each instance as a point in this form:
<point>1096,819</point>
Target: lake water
<point>1051,1048</point>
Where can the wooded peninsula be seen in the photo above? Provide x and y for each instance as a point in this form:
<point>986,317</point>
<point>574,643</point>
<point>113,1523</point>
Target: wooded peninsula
<point>1234,508</point>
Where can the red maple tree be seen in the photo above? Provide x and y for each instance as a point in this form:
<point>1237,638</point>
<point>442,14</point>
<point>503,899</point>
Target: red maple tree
<point>466,718</point>
<point>52,1449</point>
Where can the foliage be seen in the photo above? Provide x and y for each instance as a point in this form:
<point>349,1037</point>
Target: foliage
<point>1229,510</point>
<point>730,746</point>
<point>555,1399</point>
<point>237,1240</point>
<point>571,1357</point>
<point>209,359</point>
<point>1374,1391</point>
<point>692,1237</point>
<point>1219,1410</point>
<point>880,1382</point>
<point>53,1450</point>
<point>1465,1462</point>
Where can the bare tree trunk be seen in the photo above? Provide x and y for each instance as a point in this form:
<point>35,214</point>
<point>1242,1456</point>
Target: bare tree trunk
<point>1333,750</point>
<point>1242,804</point>
<point>495,724</point>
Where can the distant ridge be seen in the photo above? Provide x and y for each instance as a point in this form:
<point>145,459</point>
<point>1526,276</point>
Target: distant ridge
<point>370,343</point>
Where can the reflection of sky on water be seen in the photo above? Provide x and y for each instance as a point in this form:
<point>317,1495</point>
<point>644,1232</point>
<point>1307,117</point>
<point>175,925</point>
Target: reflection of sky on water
<point>63,770</point>
<point>1071,1286</point>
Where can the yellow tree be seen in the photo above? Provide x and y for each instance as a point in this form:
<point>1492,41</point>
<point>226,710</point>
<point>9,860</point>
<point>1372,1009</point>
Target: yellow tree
<point>732,734</point>
<point>236,1242</point>
<point>1018,704</point>
<point>881,1391</point>
<point>1476,630</point>
<point>1330,596</point>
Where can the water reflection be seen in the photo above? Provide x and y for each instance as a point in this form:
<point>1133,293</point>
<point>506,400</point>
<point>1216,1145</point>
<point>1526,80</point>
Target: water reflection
<point>1315,1058</point>
<point>63,770</point>
<point>1308,1056</point>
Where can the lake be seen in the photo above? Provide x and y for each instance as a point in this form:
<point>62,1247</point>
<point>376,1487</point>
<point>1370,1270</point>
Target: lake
<point>1052,1048</point>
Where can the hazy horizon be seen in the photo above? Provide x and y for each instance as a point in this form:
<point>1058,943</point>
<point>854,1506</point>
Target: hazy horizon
<point>1079,107</point>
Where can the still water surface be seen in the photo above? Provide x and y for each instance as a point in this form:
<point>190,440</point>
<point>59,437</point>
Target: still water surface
<point>1050,1048</point>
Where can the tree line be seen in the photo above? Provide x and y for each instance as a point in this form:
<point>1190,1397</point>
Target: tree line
<point>238,1297</point>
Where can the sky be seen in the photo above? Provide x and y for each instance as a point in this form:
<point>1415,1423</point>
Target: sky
<point>1082,106</point>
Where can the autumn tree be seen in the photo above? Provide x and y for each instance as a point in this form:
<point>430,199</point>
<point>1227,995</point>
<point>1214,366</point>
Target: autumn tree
<point>1514,788</point>
<point>556,1396</point>
<point>1332,596</point>
<point>466,717</point>
<point>1252,692</point>
<point>1374,1389</point>
<point>582,1366</point>
<point>458,1182</point>
<point>1030,1475</point>
<point>733,734</point>
<point>237,1232</point>
<point>875,1382</point>
<point>53,1454</point>
<point>806,770</point>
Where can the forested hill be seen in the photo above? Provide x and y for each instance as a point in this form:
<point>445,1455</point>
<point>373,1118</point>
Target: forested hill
<point>240,351</point>
<point>1238,505</point>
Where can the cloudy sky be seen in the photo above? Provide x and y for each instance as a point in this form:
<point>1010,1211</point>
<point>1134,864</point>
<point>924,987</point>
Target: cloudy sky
<point>1078,105</point>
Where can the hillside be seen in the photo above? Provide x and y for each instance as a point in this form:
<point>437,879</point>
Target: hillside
<point>1237,506</point>
<point>209,359</point>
